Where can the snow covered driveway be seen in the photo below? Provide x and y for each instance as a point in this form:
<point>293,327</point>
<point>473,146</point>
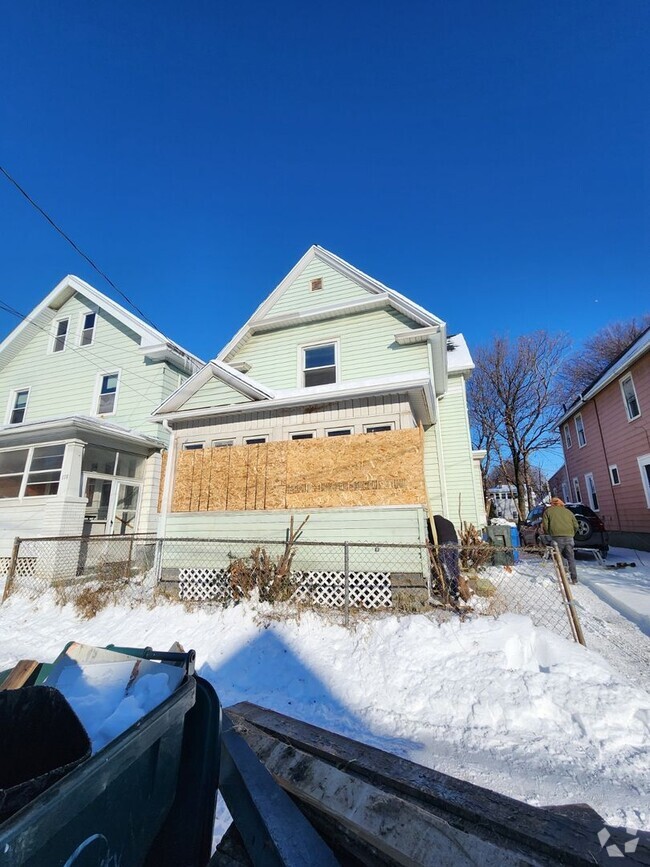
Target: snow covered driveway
<point>494,701</point>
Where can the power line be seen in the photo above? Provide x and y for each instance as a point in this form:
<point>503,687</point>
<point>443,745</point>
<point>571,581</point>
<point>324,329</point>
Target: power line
<point>74,246</point>
<point>9,309</point>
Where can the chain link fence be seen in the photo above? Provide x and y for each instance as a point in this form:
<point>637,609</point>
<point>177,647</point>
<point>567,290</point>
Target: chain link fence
<point>349,577</point>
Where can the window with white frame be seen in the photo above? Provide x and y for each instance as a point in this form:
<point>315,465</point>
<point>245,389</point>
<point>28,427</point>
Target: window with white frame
<point>222,444</point>
<point>576,491</point>
<point>630,398</point>
<point>88,329</point>
<point>107,393</point>
<point>378,428</point>
<point>20,398</point>
<point>60,334</point>
<point>591,491</point>
<point>580,431</point>
<point>614,475</point>
<point>319,365</point>
<point>192,447</point>
<point>565,492</point>
<point>303,435</point>
<point>256,441</point>
<point>644,469</point>
<point>32,472</point>
<point>339,432</point>
<point>567,436</point>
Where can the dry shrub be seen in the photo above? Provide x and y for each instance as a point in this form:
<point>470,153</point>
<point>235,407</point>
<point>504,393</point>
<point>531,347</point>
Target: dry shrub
<point>271,578</point>
<point>92,599</point>
<point>475,553</point>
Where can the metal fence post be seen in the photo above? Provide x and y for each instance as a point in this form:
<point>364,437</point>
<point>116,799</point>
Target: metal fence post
<point>12,568</point>
<point>158,559</point>
<point>346,568</point>
<point>129,560</point>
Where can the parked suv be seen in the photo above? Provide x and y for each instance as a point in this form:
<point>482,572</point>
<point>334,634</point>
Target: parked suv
<point>591,530</point>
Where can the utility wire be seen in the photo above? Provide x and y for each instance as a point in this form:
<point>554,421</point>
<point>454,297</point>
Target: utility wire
<point>9,309</point>
<point>74,246</point>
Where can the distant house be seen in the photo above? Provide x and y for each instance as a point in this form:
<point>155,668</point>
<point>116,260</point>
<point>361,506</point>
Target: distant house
<point>504,502</point>
<point>559,485</point>
<point>79,378</point>
<point>606,442</point>
<point>339,398</point>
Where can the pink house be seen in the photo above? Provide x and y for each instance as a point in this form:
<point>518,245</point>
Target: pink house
<point>606,442</point>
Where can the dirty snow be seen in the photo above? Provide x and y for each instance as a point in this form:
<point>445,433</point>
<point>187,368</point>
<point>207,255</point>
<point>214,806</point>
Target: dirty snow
<point>497,702</point>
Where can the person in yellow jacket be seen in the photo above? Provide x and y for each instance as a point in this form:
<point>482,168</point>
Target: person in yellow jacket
<point>561,525</point>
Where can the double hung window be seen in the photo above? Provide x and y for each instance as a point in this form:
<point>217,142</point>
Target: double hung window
<point>319,365</point>
<point>20,405</point>
<point>567,436</point>
<point>107,393</point>
<point>580,431</point>
<point>88,329</point>
<point>60,335</point>
<point>630,398</point>
<point>591,491</point>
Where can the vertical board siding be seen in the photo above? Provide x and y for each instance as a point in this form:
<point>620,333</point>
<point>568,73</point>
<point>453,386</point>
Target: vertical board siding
<point>336,289</point>
<point>612,439</point>
<point>432,471</point>
<point>65,383</point>
<point>367,348</point>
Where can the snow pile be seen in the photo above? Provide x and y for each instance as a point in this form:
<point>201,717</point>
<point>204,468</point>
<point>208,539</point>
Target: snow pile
<point>494,701</point>
<point>626,589</point>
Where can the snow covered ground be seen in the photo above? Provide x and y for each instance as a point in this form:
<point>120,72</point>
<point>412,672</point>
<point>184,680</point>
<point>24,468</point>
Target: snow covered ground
<point>627,589</point>
<point>494,701</point>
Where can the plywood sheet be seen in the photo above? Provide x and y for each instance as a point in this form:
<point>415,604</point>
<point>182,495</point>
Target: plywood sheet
<point>364,470</point>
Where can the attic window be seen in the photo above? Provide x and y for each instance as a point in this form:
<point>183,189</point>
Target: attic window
<point>317,284</point>
<point>60,334</point>
<point>88,329</point>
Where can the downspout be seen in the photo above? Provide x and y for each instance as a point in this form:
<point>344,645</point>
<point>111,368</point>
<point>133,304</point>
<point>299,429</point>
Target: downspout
<point>169,479</point>
<point>438,434</point>
<point>609,476</point>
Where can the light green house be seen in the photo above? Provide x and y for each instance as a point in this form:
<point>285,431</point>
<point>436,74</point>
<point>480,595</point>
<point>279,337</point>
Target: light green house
<point>79,453</point>
<point>331,352</point>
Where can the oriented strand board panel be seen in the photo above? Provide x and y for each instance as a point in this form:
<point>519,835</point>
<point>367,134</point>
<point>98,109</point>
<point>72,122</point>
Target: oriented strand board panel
<point>382,469</point>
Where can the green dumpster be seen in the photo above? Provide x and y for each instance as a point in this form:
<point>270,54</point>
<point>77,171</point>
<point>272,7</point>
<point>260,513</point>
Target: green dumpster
<point>146,798</point>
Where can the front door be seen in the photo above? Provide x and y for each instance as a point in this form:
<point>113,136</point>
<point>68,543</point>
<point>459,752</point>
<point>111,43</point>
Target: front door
<point>111,507</point>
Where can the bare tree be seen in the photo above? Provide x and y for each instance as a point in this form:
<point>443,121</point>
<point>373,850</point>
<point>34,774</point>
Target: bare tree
<point>513,402</point>
<point>582,367</point>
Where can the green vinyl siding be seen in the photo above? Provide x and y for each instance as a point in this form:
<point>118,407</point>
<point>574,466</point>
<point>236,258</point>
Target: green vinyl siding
<point>66,383</point>
<point>432,471</point>
<point>337,289</point>
<point>460,476</point>
<point>214,393</point>
<point>367,348</point>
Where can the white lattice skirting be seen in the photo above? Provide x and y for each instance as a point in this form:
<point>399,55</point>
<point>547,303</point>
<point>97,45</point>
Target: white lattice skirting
<point>25,566</point>
<point>369,590</point>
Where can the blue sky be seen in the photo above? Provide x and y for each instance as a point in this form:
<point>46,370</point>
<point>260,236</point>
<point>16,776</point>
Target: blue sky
<point>490,160</point>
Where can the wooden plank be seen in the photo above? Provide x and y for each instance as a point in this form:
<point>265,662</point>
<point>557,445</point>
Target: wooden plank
<point>274,831</point>
<point>485,812</point>
<point>402,831</point>
<point>20,674</point>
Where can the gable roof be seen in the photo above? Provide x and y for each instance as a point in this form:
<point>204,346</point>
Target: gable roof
<point>155,341</point>
<point>245,385</point>
<point>261,321</point>
<point>617,368</point>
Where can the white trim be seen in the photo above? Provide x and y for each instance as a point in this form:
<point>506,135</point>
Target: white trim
<point>334,341</point>
<point>263,437</point>
<point>374,287</point>
<point>53,335</point>
<point>582,427</point>
<point>611,468</point>
<point>636,398</point>
<point>28,469</point>
<point>222,444</point>
<point>11,405</point>
<point>193,445</point>
<point>97,394</point>
<point>577,493</point>
<point>41,315</point>
<point>303,434</point>
<point>80,329</point>
<point>644,461</point>
<point>341,430</point>
<point>416,335</point>
<point>592,492</point>
<point>213,370</point>
<point>566,430</point>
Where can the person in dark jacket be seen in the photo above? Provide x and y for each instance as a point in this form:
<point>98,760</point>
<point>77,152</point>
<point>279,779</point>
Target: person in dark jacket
<point>561,525</point>
<point>447,541</point>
